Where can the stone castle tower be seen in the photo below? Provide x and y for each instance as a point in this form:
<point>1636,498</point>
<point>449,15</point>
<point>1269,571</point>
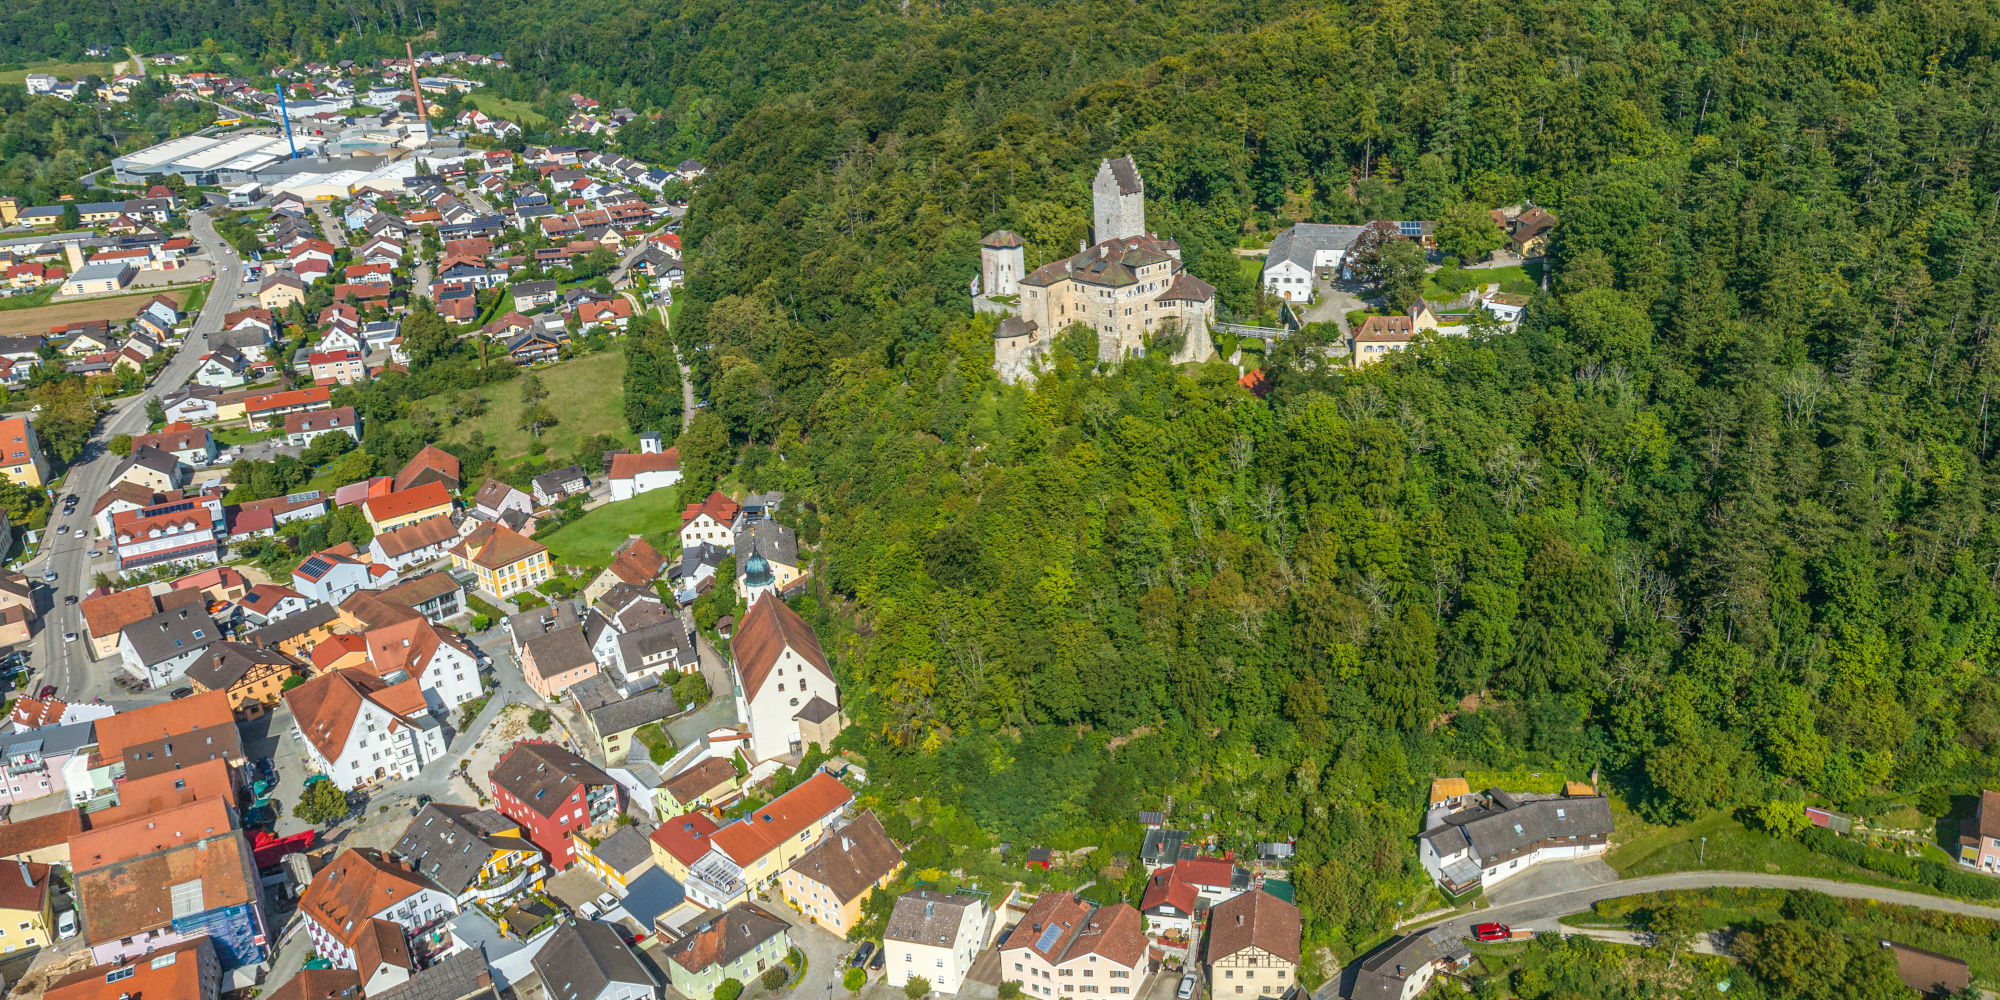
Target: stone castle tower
<point>1117,201</point>
<point>1002,263</point>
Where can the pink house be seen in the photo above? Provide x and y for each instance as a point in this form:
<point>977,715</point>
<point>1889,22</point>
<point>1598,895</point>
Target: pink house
<point>1979,835</point>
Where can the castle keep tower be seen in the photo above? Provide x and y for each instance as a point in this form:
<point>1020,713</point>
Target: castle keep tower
<point>1002,263</point>
<point>1117,201</point>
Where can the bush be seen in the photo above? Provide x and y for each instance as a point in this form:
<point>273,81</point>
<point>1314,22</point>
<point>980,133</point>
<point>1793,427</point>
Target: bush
<point>776,977</point>
<point>854,980</point>
<point>1010,990</point>
<point>539,720</point>
<point>1935,874</point>
<point>916,988</point>
<point>728,989</point>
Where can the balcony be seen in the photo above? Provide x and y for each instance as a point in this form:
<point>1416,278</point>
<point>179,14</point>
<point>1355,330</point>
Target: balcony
<point>500,886</point>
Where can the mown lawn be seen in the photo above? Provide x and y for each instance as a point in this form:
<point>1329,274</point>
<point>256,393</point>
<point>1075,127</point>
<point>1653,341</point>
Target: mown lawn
<point>518,112</point>
<point>590,539</point>
<point>66,71</point>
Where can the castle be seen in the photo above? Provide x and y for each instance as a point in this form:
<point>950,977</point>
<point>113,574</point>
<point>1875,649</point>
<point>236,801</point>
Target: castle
<point>1130,286</point>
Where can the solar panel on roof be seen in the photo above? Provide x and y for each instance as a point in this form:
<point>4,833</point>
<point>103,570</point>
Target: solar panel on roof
<point>1048,938</point>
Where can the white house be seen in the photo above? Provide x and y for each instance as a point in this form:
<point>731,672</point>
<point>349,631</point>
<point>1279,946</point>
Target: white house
<point>1303,251</point>
<point>160,648</point>
<point>329,576</point>
<point>415,543</point>
<point>634,472</point>
<point>935,935</point>
<point>1064,941</point>
<point>1499,834</point>
<point>224,368</point>
<point>445,668</point>
<point>358,729</point>
<point>780,672</point>
<point>351,900</point>
<point>713,520</point>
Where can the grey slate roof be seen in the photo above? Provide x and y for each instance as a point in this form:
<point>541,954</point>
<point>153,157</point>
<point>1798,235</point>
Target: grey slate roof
<point>740,928</point>
<point>779,544</point>
<point>581,960</point>
<point>1300,242</point>
<point>172,633</point>
<point>611,713</point>
<point>927,916</point>
<point>1126,173</point>
<point>625,851</point>
<point>451,843</point>
<point>665,636</point>
<point>464,975</point>
<point>314,616</point>
<point>1503,826</point>
<point>1379,979</point>
<point>148,457</point>
<point>559,651</point>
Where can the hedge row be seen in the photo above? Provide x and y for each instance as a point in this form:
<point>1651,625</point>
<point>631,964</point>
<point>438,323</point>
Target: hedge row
<point>1936,874</point>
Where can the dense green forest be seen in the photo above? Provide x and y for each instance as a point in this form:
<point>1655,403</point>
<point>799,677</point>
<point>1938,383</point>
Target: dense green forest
<point>1715,520</point>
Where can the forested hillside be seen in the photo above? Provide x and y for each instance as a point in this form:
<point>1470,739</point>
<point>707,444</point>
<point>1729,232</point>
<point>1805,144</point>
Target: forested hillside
<point>1715,520</point>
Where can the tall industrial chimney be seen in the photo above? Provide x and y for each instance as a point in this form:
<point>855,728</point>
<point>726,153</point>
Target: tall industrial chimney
<point>417,87</point>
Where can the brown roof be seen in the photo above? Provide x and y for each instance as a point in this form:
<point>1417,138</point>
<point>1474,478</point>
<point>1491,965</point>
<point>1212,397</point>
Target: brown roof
<point>24,885</point>
<point>220,741</point>
<point>170,972</point>
<point>1254,918</point>
<point>727,936</point>
<point>156,793</point>
<point>148,834</point>
<point>1928,972</point>
<point>636,562</point>
<point>132,897</point>
<point>718,506</point>
<point>157,722</point>
<point>411,537</point>
<point>1060,909</point>
<point>326,706</point>
<point>430,458</point>
<point>785,817</point>
<point>851,861</point>
<point>542,775</point>
<point>23,835</point>
<point>700,779</point>
<point>374,610</point>
<point>766,629</point>
<point>492,493</point>
<point>130,492</point>
<point>382,943</point>
<point>108,614</point>
<point>498,545</point>
<point>1989,813</point>
<point>360,883</point>
<point>320,984</point>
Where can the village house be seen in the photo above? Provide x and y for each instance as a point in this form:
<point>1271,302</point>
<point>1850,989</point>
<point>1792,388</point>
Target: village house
<point>503,560</point>
<point>358,729</point>
<point>721,866</point>
<point>785,689</point>
<point>738,943</point>
<point>1066,945</point>
<point>361,911</point>
<point>476,855</point>
<point>937,936</point>
<point>828,884</point>
<point>1253,946</point>
<point>1498,834</point>
<point>551,793</point>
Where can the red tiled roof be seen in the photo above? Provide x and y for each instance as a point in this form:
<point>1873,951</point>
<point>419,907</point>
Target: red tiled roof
<point>627,464</point>
<point>406,502</point>
<point>430,458</point>
<point>785,817</point>
<point>157,722</point>
<point>685,837</point>
<point>718,507</point>
<point>149,833</point>
<point>358,885</point>
<point>765,632</point>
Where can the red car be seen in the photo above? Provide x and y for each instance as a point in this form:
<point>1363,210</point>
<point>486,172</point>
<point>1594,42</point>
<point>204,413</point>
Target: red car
<point>1491,932</point>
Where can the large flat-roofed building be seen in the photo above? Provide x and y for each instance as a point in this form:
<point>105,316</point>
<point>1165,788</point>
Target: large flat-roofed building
<point>217,159</point>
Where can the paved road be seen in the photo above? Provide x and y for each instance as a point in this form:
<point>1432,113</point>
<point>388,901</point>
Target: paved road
<point>67,665</point>
<point>335,232</point>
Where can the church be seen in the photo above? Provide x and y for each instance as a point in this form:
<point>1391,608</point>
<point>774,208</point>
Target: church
<point>1130,287</point>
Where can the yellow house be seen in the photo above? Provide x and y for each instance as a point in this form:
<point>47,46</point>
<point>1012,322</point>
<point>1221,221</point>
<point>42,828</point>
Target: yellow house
<point>761,845</point>
<point>505,561</point>
<point>828,884</point>
<point>281,290</point>
<point>1253,946</point>
<point>475,854</point>
<point>393,510</point>
<point>27,920</point>
<point>616,860</point>
<point>21,458</point>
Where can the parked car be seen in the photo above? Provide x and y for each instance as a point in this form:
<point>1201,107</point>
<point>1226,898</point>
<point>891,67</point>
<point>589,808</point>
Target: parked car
<point>1186,992</point>
<point>881,956</point>
<point>861,955</point>
<point>180,693</point>
<point>1491,932</point>
<point>607,902</point>
<point>69,636</point>
<point>62,529</point>
<point>587,911</point>
<point>49,577</point>
<point>69,600</point>
<point>48,691</point>
<point>66,924</point>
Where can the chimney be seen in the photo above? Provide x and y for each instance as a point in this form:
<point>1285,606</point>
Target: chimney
<point>846,844</point>
<point>26,879</point>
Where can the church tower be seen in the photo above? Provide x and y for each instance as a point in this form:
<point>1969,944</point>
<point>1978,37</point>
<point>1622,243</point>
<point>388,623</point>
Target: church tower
<point>1117,201</point>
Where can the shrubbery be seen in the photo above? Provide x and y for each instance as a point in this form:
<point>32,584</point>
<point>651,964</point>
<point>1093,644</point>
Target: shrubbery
<point>1935,874</point>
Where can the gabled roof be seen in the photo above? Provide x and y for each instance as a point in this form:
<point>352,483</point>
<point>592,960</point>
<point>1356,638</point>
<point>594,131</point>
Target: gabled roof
<point>718,507</point>
<point>766,631</point>
<point>851,861</point>
<point>686,837</point>
<point>636,562</point>
<point>1254,918</point>
<point>760,832</point>
<point>629,464</point>
<point>325,707</point>
<point>157,722</point>
<point>360,883</point>
<point>418,535</point>
<point>406,502</point>
<point>581,960</point>
<point>725,937</point>
<point>542,775</point>
<point>450,843</point>
<point>430,458</point>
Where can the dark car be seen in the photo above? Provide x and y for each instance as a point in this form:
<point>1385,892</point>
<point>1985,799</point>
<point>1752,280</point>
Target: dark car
<point>861,955</point>
<point>48,691</point>
<point>876,965</point>
<point>69,599</point>
<point>180,693</point>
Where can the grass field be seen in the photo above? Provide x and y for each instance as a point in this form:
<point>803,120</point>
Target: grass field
<point>33,300</point>
<point>586,395</point>
<point>590,539</point>
<point>40,318</point>
<point>65,70</point>
<point>515,111</point>
<point>1644,849</point>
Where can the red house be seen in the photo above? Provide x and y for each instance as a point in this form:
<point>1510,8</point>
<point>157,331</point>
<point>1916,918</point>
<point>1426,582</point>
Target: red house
<point>551,793</point>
